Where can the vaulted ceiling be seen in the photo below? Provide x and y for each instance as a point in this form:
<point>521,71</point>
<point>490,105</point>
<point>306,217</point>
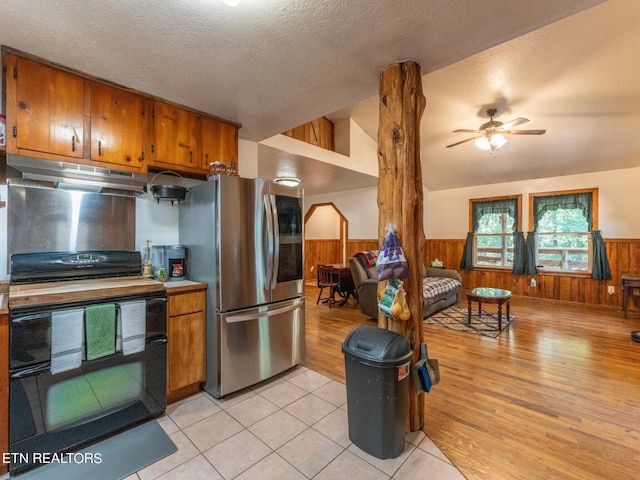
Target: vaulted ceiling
<point>569,66</point>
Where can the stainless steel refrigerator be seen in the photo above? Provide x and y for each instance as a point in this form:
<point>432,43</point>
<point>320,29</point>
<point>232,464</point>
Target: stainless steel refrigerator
<point>244,239</point>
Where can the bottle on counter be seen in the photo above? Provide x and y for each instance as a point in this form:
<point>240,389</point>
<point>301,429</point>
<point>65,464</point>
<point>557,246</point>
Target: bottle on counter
<point>147,269</point>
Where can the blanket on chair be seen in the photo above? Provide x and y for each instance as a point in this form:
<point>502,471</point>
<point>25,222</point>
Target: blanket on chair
<point>369,256</point>
<point>433,286</point>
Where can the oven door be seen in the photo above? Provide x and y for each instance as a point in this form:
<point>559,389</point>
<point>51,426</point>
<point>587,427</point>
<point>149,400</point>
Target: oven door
<point>54,410</point>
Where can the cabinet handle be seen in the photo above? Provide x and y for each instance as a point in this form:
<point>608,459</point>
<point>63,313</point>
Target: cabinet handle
<point>190,156</point>
<point>99,148</point>
<point>74,140</point>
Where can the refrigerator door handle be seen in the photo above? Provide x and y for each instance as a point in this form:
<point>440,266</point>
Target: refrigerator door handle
<point>254,316</point>
<point>276,242</point>
<point>270,240</point>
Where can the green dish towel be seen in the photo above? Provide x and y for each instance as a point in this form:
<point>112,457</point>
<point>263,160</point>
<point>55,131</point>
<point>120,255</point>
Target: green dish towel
<point>100,328</point>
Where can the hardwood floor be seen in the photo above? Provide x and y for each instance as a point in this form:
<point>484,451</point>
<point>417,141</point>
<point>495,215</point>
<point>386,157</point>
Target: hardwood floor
<point>555,396</point>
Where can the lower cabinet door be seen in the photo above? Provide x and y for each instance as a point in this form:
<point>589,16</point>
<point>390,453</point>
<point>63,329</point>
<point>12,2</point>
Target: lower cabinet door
<point>186,362</point>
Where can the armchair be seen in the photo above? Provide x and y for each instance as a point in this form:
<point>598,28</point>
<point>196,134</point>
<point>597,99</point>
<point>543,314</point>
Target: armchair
<point>441,286</point>
<point>366,283</point>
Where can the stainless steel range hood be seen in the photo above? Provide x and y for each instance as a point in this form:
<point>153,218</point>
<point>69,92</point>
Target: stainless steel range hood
<point>65,175</point>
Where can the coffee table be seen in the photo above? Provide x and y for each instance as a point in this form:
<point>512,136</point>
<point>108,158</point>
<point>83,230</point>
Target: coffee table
<point>489,295</point>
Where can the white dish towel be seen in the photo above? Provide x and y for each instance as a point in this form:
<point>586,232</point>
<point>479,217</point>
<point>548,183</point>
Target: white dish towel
<point>67,334</point>
<point>134,326</point>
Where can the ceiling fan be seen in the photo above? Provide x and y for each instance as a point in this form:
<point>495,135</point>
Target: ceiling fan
<point>491,135</point>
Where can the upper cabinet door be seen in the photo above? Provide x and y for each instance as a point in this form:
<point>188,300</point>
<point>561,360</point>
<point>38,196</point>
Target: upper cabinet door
<point>219,143</point>
<point>117,126</point>
<point>50,109</point>
<point>176,136</point>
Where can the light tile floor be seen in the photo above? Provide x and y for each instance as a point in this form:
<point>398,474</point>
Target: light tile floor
<point>291,427</point>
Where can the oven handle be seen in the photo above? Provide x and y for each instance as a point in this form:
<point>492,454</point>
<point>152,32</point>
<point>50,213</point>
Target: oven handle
<point>46,312</point>
<point>26,372</point>
<point>26,318</point>
<point>151,301</point>
<point>45,367</point>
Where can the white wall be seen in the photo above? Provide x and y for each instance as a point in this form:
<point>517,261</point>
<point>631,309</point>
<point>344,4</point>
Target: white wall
<point>360,208</point>
<point>618,194</point>
<point>157,222</point>
<point>363,153</point>
<point>363,156</point>
<point>247,159</point>
<point>446,212</point>
<point>324,224</point>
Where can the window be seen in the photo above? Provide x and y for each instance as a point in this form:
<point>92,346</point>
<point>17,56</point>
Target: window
<point>563,222</point>
<point>493,223</point>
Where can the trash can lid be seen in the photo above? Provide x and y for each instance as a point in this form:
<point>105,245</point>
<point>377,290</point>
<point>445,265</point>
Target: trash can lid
<point>377,345</point>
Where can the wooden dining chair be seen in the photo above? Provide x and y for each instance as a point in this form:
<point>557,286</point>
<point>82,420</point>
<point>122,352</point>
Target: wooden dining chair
<point>327,278</point>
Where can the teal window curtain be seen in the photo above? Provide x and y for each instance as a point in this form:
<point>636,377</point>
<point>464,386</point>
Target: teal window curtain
<point>478,209</point>
<point>467,255</point>
<point>600,269</point>
<point>507,205</point>
<point>530,254</point>
<point>519,253</point>
<point>583,201</point>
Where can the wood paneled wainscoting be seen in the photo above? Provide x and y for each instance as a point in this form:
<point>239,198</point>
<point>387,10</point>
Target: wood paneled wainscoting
<point>358,245</point>
<point>320,251</point>
<point>623,254</point>
<point>329,251</point>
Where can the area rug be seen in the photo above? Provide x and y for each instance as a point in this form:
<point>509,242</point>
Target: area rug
<point>456,318</point>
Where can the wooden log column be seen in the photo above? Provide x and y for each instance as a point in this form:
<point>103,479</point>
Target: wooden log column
<point>400,197</point>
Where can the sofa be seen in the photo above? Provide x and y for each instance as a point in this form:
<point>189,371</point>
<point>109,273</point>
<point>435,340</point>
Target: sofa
<point>441,287</point>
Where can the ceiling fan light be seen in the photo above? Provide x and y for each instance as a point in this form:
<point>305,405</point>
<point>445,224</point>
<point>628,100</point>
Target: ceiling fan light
<point>498,140</point>
<point>483,143</point>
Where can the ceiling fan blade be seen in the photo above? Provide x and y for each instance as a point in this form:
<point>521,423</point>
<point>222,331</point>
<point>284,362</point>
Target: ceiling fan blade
<point>464,130</point>
<point>462,141</point>
<point>514,122</point>
<point>524,132</point>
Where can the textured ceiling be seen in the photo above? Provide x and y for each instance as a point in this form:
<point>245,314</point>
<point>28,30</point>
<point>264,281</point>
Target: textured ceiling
<point>271,65</point>
<point>577,78</point>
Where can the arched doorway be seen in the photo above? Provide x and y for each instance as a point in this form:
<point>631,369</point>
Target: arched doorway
<point>325,233</point>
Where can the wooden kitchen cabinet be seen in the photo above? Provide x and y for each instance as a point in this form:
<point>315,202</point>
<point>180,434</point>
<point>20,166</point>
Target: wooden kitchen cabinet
<point>55,113</point>
<point>219,143</point>
<point>45,109</point>
<point>176,136</point>
<point>58,115</point>
<point>186,339</point>
<point>118,126</point>
<point>4,386</point>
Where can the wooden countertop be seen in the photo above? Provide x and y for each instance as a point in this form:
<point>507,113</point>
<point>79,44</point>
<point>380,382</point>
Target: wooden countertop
<point>4,297</point>
<point>177,286</point>
<point>56,292</point>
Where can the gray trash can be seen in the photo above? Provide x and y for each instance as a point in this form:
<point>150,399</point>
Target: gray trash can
<point>377,366</point>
